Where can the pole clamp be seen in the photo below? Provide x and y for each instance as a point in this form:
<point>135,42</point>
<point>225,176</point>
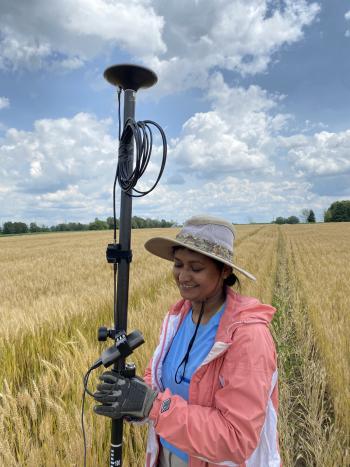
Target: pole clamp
<point>115,254</point>
<point>124,346</point>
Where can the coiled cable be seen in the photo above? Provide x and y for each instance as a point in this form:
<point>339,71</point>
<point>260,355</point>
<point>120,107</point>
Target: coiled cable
<point>140,135</point>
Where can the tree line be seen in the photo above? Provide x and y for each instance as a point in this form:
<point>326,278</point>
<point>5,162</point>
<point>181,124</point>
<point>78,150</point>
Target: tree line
<point>98,224</point>
<point>307,215</point>
<point>286,220</point>
<point>339,211</point>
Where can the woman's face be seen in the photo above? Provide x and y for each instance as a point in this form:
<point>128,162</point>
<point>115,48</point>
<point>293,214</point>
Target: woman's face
<point>197,276</point>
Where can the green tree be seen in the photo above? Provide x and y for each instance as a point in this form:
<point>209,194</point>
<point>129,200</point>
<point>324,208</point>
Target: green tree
<point>138,222</point>
<point>311,217</point>
<point>280,220</point>
<point>76,226</point>
<point>33,227</point>
<point>293,220</point>
<point>60,227</point>
<point>15,228</point>
<point>98,225</point>
<point>110,223</point>
<point>339,211</point>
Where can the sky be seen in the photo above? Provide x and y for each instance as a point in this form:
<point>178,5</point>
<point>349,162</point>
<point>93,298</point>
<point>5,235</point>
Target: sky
<point>253,96</point>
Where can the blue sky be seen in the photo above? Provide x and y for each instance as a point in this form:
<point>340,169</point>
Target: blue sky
<point>253,96</point>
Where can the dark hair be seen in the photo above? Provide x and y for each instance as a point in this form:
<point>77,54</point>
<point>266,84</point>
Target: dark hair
<point>231,280</point>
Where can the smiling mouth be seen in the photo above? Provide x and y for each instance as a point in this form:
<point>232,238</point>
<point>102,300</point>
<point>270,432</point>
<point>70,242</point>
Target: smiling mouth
<point>183,286</point>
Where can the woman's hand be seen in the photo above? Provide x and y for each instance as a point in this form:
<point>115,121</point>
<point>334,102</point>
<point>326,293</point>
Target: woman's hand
<point>123,397</point>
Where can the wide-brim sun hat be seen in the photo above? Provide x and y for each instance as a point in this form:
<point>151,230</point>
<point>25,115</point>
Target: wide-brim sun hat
<point>210,236</point>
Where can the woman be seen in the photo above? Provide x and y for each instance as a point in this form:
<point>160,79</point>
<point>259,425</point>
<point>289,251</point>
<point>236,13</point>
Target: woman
<point>211,392</point>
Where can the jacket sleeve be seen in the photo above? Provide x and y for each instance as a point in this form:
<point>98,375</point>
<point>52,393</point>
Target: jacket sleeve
<point>228,431</point>
<point>147,376</point>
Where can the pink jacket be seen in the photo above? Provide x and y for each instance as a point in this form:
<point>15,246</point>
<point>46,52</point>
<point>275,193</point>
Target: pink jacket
<point>230,418</point>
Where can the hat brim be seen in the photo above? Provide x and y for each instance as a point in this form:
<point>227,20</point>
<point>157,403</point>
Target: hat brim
<point>163,247</point>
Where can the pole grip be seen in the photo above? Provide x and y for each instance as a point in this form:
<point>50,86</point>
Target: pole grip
<point>115,458</point>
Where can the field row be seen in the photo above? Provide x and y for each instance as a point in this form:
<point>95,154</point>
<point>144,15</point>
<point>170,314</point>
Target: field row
<point>319,257</point>
<point>314,407</point>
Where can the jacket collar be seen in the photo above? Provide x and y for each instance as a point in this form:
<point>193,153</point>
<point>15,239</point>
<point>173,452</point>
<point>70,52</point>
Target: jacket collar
<point>239,310</point>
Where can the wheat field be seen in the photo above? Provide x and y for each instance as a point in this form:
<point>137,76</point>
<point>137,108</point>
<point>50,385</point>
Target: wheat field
<point>56,290</point>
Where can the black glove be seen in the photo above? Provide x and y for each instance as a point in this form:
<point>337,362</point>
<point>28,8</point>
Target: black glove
<point>123,397</point>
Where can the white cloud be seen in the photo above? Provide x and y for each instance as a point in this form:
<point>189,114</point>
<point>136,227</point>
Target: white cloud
<point>63,170</point>
<point>39,33</point>
<point>239,35</point>
<point>240,137</point>
<point>61,166</point>
<point>235,136</point>
<point>4,102</point>
<point>182,41</point>
<point>322,154</point>
<point>234,198</point>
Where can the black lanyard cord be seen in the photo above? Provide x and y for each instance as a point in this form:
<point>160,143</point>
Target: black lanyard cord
<point>190,345</point>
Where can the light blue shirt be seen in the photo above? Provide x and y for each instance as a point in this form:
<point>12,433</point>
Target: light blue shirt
<point>201,347</point>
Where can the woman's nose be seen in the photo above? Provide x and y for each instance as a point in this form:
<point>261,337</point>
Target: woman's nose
<point>184,275</point>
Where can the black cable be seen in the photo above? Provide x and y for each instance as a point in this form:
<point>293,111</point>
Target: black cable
<point>184,361</point>
<point>115,312</point>
<point>86,390</point>
<point>119,119</point>
<point>139,133</point>
<point>116,174</point>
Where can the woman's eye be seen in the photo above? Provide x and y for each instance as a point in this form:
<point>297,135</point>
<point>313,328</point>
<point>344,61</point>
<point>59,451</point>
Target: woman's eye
<point>196,270</point>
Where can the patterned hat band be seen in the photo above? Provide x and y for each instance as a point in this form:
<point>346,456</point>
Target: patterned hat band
<point>206,246</point>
